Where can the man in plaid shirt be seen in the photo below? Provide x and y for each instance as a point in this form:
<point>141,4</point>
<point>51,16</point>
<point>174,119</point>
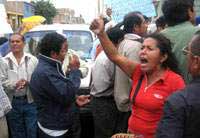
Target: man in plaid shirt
<point>5,107</point>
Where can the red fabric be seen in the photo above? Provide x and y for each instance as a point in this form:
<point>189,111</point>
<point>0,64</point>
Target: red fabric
<point>149,103</point>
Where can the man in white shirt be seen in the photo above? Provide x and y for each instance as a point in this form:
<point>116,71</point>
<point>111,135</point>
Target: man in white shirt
<point>15,80</point>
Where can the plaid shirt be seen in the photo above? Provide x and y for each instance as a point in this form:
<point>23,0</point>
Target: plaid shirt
<point>5,105</point>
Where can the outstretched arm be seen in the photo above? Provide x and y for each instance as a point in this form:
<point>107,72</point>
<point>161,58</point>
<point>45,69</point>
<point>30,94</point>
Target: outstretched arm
<point>124,63</point>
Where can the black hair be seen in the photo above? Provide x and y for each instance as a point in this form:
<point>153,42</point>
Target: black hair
<point>105,20</point>
<point>195,44</point>
<point>160,22</point>
<point>51,42</point>
<point>130,20</point>
<point>3,40</point>
<point>176,11</point>
<point>22,37</point>
<point>164,45</point>
<point>147,19</point>
<point>115,34</point>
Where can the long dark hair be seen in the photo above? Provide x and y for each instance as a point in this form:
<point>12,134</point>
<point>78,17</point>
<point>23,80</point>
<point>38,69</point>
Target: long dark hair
<point>164,45</point>
<point>115,34</point>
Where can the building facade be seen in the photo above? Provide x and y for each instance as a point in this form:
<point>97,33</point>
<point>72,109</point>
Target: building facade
<point>3,2</point>
<point>67,16</point>
<point>16,10</point>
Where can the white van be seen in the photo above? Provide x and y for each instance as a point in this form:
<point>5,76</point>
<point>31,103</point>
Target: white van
<point>5,27</point>
<point>80,42</point>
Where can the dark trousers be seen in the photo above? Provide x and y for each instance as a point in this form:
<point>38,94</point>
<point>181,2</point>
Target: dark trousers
<point>22,119</point>
<point>105,116</point>
<point>41,134</point>
<point>122,122</point>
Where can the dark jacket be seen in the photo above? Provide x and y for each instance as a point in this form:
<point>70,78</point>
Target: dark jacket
<point>182,113</point>
<point>54,94</point>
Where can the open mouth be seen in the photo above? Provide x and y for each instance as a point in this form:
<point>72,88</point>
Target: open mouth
<point>143,61</point>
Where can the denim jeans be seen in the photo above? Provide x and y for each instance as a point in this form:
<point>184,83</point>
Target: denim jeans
<point>22,119</point>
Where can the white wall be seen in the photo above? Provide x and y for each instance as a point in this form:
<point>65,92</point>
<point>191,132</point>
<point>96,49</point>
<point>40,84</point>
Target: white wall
<point>4,26</point>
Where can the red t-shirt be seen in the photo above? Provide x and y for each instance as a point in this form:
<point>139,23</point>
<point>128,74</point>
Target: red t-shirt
<point>149,102</point>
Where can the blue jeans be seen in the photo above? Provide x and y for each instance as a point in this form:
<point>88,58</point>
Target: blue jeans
<point>22,119</point>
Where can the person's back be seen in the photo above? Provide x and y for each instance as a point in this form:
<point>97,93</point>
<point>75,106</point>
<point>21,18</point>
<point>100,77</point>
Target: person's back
<point>180,28</point>
<point>181,114</point>
<point>191,95</point>
<point>129,47</point>
<point>180,35</point>
<point>134,28</point>
<point>104,109</point>
<point>188,99</point>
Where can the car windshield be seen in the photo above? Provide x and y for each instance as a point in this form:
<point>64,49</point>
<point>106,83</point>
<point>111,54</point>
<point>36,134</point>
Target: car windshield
<point>32,39</point>
<point>79,41</point>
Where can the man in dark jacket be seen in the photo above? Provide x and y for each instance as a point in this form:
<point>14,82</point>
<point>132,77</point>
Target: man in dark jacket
<point>182,109</point>
<point>53,92</point>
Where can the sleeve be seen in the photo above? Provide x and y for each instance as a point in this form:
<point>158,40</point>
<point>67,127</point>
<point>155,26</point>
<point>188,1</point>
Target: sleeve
<point>5,105</point>
<point>4,76</point>
<point>178,84</point>
<point>137,73</point>
<point>109,68</point>
<point>132,50</point>
<point>60,90</point>
<point>172,122</point>
<point>74,76</point>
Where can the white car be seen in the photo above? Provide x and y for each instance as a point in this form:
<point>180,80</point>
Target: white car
<point>80,41</point>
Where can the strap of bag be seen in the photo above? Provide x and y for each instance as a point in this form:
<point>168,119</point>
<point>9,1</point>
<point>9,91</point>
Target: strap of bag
<point>137,89</point>
<point>10,64</point>
<point>26,59</point>
<point>139,40</point>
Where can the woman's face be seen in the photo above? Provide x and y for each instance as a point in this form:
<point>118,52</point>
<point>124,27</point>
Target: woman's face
<point>150,56</point>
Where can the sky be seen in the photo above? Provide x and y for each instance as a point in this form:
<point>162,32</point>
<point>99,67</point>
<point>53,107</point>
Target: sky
<point>87,8</point>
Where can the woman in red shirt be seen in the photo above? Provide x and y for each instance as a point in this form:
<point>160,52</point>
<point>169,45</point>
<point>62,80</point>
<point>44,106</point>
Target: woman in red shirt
<point>159,68</point>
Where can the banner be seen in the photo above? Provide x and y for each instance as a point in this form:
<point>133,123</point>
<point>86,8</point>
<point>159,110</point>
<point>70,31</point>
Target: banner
<point>122,7</point>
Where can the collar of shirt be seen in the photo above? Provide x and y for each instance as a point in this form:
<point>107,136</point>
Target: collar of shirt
<point>12,57</point>
<point>132,36</point>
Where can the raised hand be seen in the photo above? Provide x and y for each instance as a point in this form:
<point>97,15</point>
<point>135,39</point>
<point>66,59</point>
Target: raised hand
<point>97,26</point>
<point>74,62</point>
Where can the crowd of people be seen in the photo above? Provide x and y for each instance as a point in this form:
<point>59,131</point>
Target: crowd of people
<point>143,85</point>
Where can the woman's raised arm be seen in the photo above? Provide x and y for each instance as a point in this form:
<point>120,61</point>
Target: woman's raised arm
<point>128,66</point>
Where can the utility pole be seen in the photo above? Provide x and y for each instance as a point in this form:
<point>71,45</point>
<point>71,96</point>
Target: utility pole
<point>98,6</point>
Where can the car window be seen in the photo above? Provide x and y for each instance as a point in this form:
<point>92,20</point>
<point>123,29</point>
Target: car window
<point>79,41</point>
<point>32,39</point>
